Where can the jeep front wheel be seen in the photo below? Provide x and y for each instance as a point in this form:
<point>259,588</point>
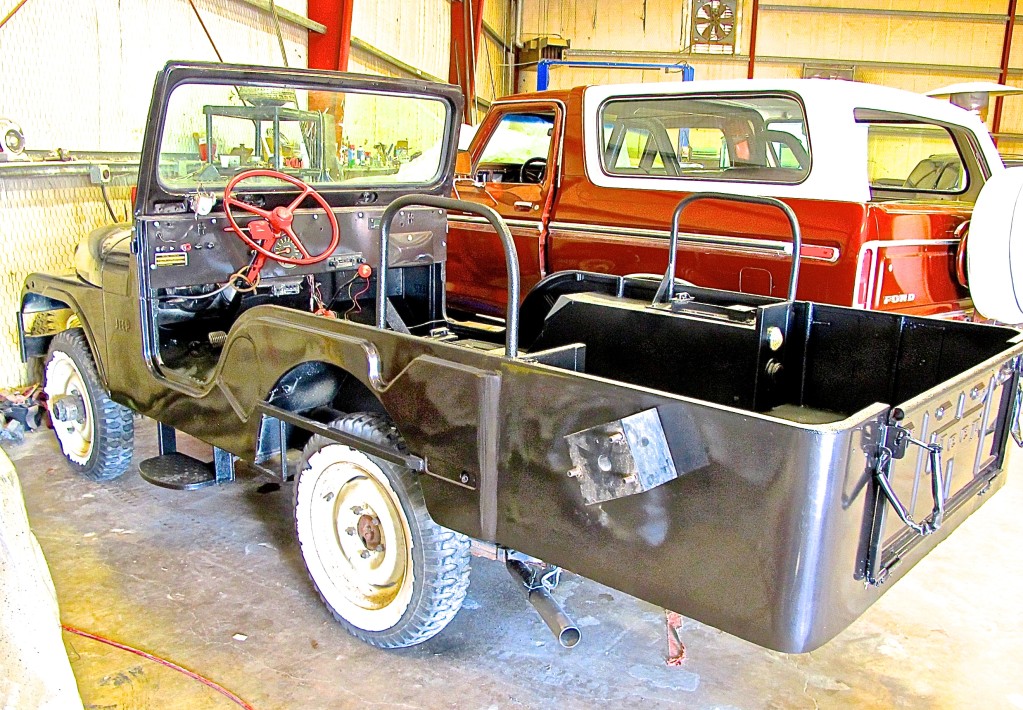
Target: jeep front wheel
<point>96,434</point>
<point>386,571</point>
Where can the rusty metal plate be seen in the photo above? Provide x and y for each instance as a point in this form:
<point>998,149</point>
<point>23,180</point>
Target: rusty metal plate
<point>621,458</point>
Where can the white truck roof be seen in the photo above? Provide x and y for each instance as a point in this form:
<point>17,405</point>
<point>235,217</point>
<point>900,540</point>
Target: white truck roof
<point>838,144</point>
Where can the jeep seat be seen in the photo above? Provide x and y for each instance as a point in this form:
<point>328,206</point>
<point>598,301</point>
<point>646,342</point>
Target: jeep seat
<point>96,248</point>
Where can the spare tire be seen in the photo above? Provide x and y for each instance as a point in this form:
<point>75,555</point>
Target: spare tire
<point>994,259</point>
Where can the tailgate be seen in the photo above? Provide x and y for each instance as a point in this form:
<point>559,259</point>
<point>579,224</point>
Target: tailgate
<point>966,424</point>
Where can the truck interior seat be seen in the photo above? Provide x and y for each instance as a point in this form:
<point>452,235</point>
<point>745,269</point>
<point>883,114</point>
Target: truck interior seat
<point>935,173</point>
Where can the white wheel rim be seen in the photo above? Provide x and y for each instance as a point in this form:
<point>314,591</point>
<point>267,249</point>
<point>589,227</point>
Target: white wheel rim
<point>64,378</point>
<point>368,586</point>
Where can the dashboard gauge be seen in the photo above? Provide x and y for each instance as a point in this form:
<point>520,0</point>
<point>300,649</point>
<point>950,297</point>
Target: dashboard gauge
<point>286,248</point>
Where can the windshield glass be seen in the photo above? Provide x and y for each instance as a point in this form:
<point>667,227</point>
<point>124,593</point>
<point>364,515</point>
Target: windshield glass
<point>326,138</point>
<point>519,137</point>
<point>919,157</point>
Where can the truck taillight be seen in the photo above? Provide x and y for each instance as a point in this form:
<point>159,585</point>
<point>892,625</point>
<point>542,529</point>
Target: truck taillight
<point>864,281</point>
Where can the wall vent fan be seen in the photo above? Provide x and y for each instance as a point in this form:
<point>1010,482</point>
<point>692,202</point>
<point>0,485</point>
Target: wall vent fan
<point>713,23</point>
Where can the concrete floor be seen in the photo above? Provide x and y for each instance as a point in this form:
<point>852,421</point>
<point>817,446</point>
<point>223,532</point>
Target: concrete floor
<point>179,574</point>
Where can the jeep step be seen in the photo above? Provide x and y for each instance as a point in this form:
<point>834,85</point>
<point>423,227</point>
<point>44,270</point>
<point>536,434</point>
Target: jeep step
<point>181,472</point>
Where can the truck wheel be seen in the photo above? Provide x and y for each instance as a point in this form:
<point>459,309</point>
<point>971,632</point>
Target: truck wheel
<point>96,434</point>
<point>386,571</point>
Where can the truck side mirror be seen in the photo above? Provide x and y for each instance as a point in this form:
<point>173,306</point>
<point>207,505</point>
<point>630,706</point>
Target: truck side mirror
<point>463,164</point>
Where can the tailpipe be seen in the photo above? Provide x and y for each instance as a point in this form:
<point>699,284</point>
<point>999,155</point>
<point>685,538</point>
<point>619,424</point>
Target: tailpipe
<point>549,610</point>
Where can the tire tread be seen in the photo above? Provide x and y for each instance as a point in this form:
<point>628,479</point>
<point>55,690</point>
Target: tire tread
<point>445,552</point>
<point>114,435</point>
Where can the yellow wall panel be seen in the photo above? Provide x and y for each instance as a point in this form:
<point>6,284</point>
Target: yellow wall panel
<point>500,15</point>
<point>881,38</point>
<point>417,33</point>
<point>1016,53</point>
<point>605,24</point>
<point>491,74</point>
<point>1012,113</point>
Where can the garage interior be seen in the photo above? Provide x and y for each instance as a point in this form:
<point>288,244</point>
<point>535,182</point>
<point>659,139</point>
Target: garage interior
<point>213,580</point>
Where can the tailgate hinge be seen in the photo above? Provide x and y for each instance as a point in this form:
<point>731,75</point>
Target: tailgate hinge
<point>895,440</point>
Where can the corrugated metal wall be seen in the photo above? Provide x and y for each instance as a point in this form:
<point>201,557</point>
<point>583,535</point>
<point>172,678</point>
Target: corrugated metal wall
<point>417,34</point>
<point>78,75</point>
<point>495,71</point>
<point>404,39</point>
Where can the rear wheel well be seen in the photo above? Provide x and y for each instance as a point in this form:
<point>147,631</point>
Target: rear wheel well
<point>320,391</point>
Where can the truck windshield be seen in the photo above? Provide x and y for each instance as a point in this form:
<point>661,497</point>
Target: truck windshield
<point>326,138</point>
<point>744,138</point>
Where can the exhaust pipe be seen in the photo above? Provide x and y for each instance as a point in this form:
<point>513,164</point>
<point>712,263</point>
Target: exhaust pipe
<point>549,610</point>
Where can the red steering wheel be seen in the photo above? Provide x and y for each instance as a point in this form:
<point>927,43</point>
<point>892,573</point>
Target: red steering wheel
<point>277,223</point>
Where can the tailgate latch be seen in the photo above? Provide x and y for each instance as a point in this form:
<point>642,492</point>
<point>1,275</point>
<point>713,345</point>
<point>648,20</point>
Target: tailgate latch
<point>895,440</point>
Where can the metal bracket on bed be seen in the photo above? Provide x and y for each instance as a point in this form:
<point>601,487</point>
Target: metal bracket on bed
<point>895,439</point>
<point>511,337</point>
<point>621,458</point>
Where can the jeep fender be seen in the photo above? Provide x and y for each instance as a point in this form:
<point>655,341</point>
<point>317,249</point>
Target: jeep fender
<point>36,344</point>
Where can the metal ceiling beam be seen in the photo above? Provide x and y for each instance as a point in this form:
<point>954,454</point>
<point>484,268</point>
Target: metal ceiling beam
<point>923,67</point>
<point>466,29</point>
<point>289,16</point>
<point>332,49</point>
<point>391,61</point>
<point>983,17</point>
<point>496,36</point>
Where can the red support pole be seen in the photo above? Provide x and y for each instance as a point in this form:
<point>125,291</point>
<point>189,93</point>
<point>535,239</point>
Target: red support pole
<point>1003,74</point>
<point>331,50</point>
<point>755,12</point>
<point>466,22</point>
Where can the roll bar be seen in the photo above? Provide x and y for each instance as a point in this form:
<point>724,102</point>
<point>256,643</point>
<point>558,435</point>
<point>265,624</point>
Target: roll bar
<point>511,336</point>
<point>667,285</point>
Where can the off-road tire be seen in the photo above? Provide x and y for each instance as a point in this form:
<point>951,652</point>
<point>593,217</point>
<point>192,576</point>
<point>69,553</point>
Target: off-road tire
<point>440,557</point>
<point>113,429</point>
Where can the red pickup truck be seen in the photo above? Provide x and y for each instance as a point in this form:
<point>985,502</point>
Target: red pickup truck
<point>883,182</point>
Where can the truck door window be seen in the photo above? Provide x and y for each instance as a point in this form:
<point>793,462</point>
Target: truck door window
<point>914,157</point>
<point>753,138</point>
<point>520,139</point>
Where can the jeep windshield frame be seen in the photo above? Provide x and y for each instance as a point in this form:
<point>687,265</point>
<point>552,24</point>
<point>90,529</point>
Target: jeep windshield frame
<point>320,167</point>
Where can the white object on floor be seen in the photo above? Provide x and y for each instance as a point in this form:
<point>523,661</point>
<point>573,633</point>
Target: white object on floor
<point>34,668</point>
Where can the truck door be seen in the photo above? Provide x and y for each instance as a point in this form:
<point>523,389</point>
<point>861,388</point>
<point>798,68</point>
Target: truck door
<point>514,170</point>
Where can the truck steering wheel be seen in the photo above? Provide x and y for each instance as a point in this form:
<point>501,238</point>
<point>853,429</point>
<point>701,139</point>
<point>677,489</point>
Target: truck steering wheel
<point>533,167</point>
<point>277,223</point>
